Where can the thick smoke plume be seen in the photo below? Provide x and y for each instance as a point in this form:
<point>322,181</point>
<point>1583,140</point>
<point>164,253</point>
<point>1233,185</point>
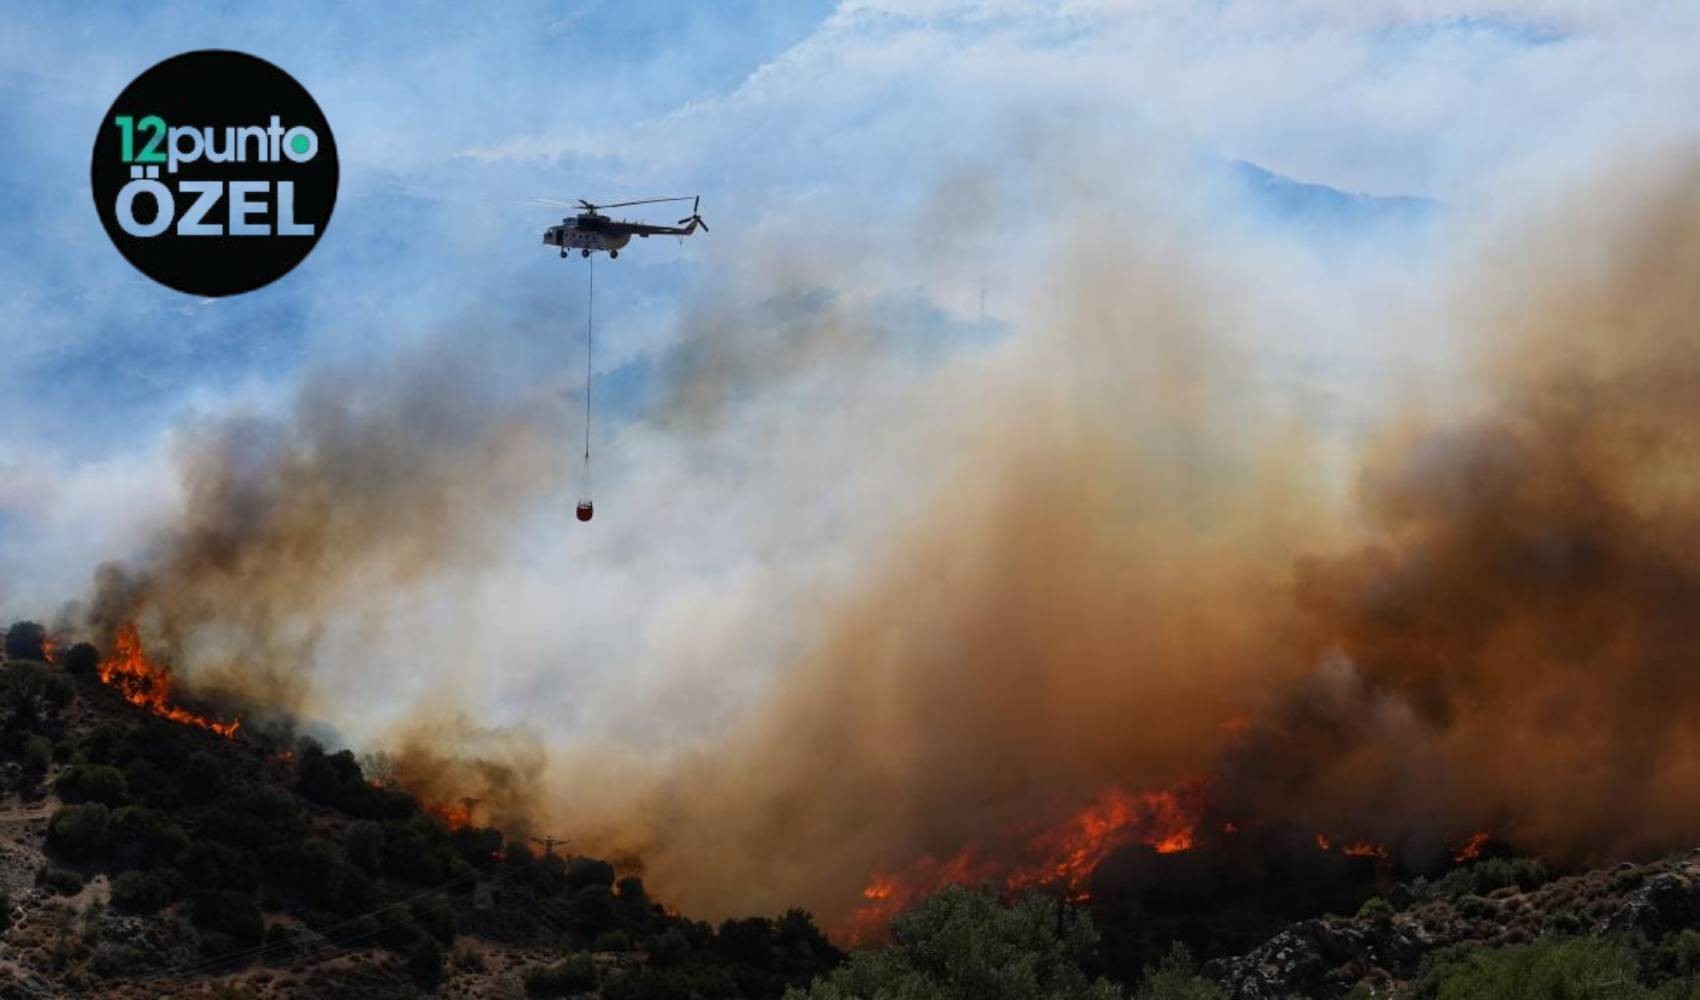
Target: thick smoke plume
<point>1118,559</point>
<point>1128,575</point>
<point>373,484</point>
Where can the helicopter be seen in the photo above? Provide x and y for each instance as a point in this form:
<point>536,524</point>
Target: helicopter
<point>590,230</point>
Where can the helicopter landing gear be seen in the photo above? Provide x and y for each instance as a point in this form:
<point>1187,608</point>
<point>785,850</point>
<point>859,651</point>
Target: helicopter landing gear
<point>612,254</point>
<point>584,253</point>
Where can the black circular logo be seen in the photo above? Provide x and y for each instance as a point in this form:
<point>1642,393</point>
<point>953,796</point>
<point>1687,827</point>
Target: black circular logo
<point>214,173</point>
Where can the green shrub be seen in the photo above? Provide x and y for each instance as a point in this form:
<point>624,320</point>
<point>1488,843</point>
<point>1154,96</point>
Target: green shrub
<point>1498,873</point>
<point>408,856</point>
<point>435,917</point>
<point>210,865</point>
<point>38,756</point>
<point>569,977</point>
<point>101,783</point>
<point>1473,906</point>
<point>995,952</point>
<point>1376,909</point>
<point>63,881</point>
<point>225,912</point>
<point>612,941</point>
<point>1628,880</point>
<point>203,779</point>
<point>363,845</point>
<point>82,660</point>
<point>425,962</point>
<point>582,872</point>
<point>140,892</point>
<point>317,868</point>
<point>1557,968</point>
<point>667,948</point>
<point>1176,978</point>
<point>147,837</point>
<point>79,832</point>
<point>58,691</point>
<point>26,640</point>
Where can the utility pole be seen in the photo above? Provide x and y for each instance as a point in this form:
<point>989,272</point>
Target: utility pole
<point>549,844</point>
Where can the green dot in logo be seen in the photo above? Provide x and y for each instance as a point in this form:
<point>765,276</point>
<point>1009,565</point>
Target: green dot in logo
<point>299,144</point>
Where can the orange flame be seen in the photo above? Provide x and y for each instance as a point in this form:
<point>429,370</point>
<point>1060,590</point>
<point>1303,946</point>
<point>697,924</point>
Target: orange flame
<point>1472,848</point>
<point>455,817</point>
<point>1062,857</point>
<point>141,682</point>
<point>1365,849</point>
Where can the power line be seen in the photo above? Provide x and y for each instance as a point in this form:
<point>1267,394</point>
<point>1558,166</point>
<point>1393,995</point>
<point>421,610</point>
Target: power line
<point>549,844</point>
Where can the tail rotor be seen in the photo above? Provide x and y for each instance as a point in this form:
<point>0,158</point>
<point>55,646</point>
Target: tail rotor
<point>694,220</point>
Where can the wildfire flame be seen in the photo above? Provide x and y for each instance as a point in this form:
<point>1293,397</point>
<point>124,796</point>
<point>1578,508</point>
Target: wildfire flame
<point>1163,821</point>
<point>454,817</point>
<point>142,682</point>
<point>1062,857</point>
<point>1472,848</point>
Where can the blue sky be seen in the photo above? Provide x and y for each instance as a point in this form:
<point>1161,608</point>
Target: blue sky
<point>904,155</point>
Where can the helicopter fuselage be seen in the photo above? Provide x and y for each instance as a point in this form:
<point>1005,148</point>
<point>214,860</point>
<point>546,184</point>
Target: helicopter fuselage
<point>571,235</point>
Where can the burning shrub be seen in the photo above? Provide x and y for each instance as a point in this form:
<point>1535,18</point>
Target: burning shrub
<point>101,783</point>
<point>80,832</point>
<point>968,944</point>
<point>476,845</point>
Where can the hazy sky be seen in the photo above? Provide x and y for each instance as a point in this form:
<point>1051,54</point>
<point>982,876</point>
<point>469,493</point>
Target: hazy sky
<point>898,157</point>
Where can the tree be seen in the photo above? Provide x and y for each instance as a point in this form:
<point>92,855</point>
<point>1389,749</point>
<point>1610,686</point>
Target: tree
<point>964,944</point>
<point>26,641</point>
<point>82,660</point>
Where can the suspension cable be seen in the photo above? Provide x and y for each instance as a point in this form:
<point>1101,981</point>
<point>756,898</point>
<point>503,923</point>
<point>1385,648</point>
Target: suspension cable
<point>589,347</point>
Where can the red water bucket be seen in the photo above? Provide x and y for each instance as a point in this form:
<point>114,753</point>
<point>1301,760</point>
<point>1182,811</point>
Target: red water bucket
<point>585,510</point>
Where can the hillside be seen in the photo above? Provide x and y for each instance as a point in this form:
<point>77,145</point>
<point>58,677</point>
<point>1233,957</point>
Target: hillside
<point>142,856</point>
<point>148,851</point>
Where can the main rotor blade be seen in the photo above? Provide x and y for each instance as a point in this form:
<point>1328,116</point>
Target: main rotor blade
<point>551,202</point>
<point>642,201</point>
